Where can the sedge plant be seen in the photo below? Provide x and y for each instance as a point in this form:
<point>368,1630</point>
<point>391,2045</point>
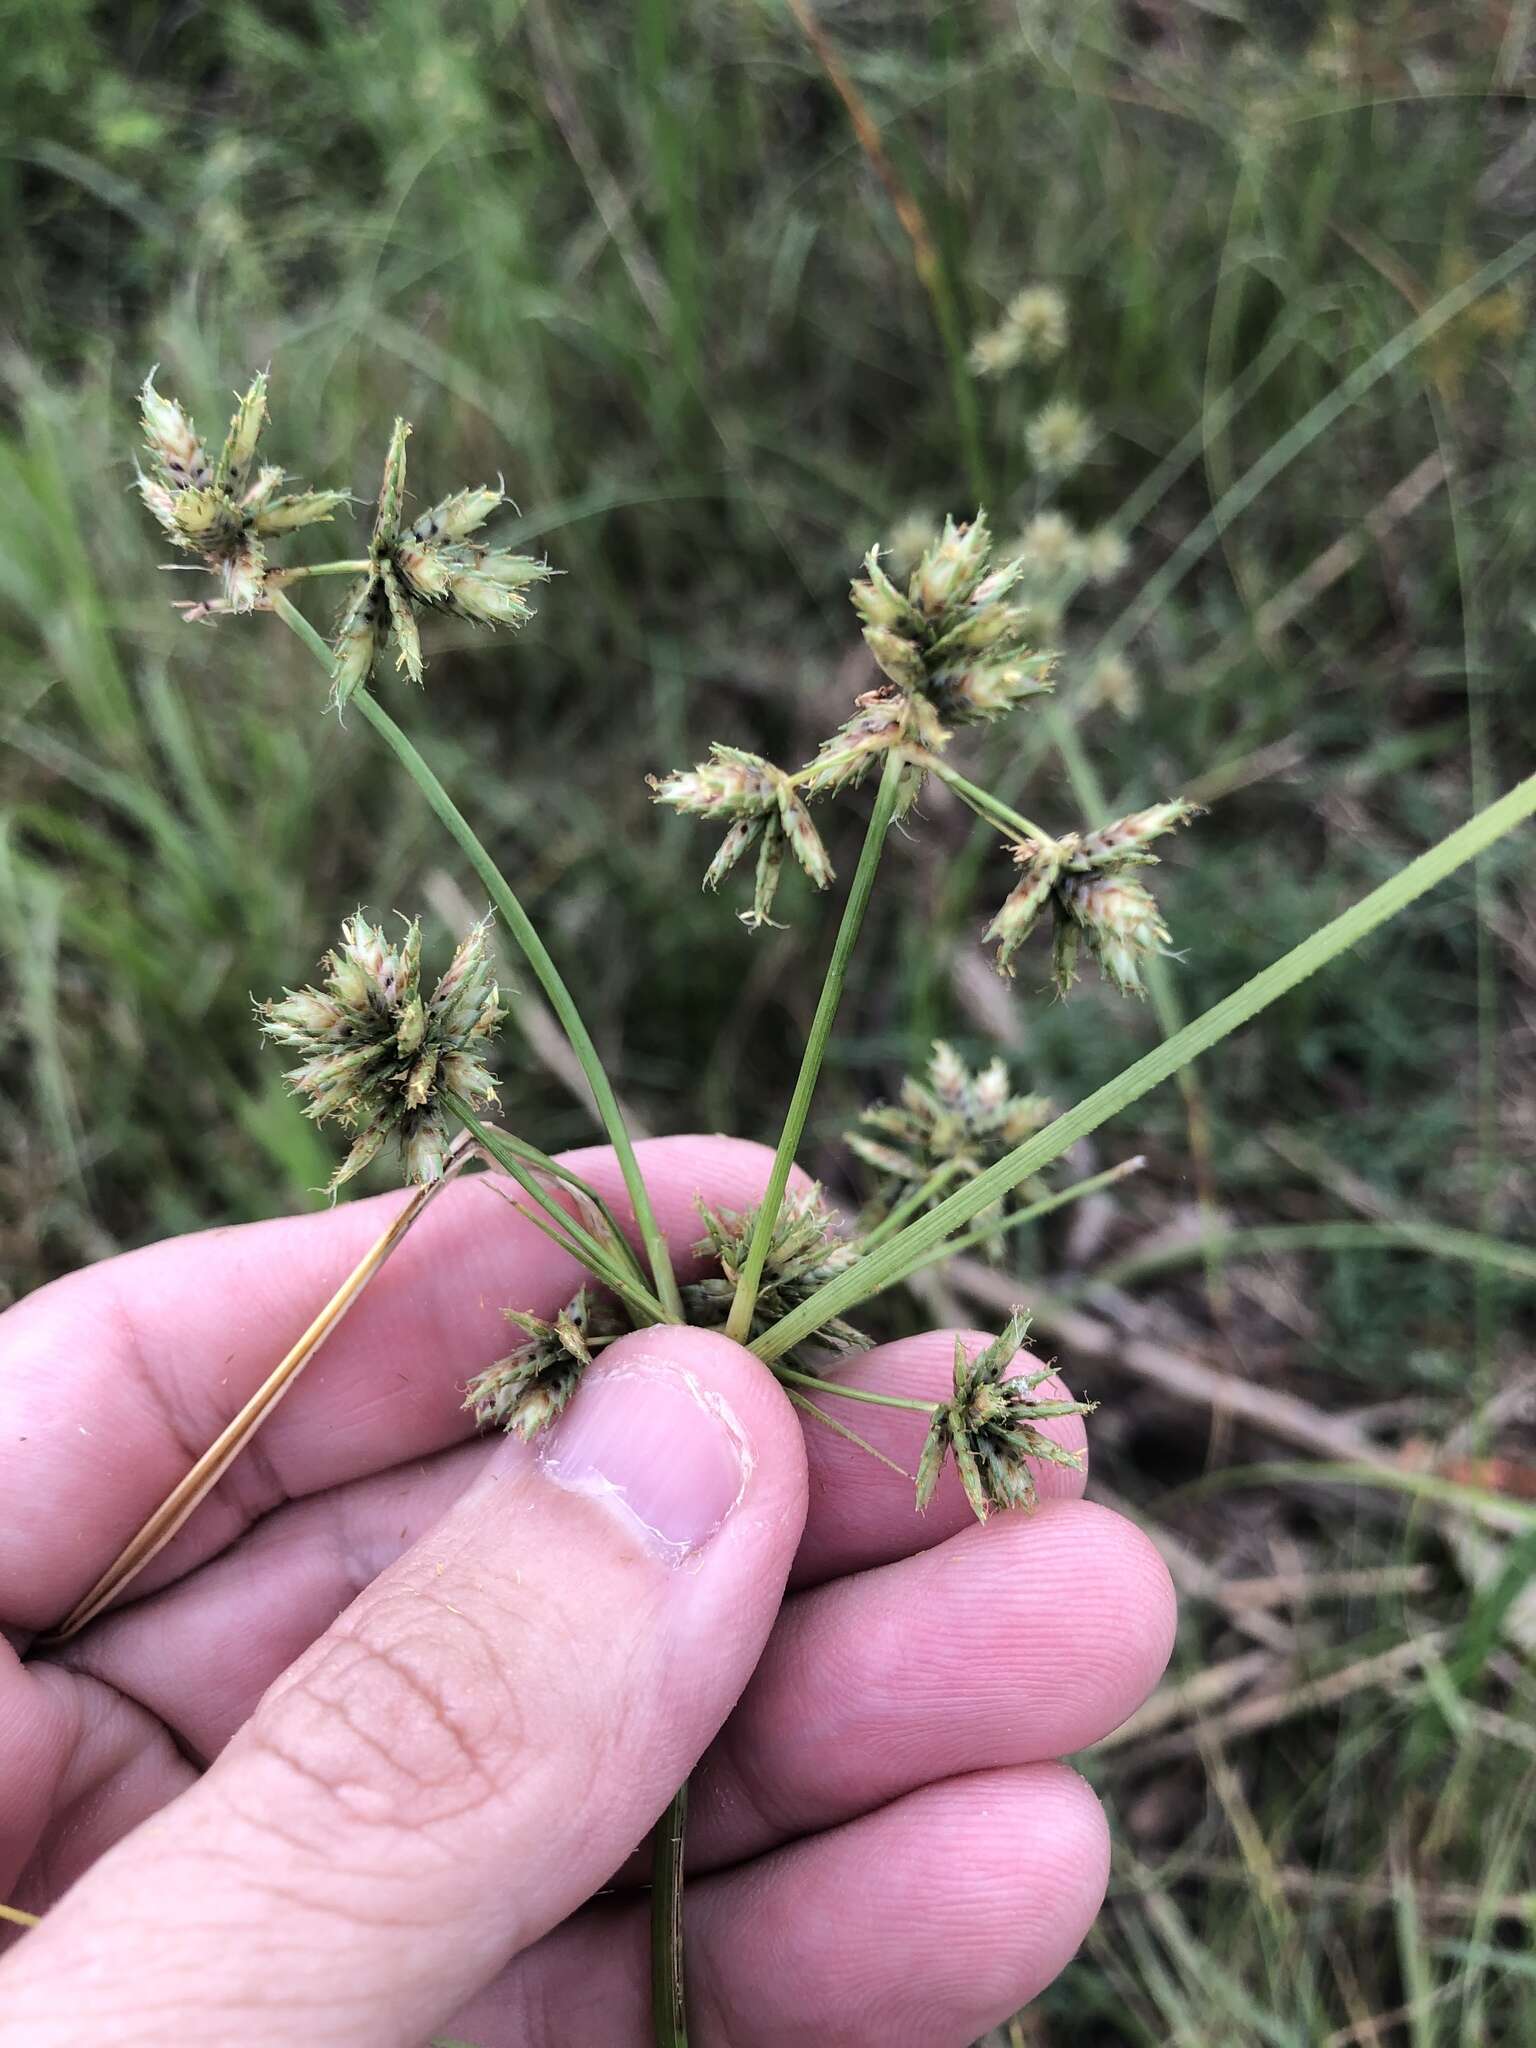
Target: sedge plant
<point>401,1060</point>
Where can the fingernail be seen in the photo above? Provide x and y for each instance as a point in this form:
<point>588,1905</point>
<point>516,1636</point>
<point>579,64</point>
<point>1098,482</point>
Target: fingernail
<point>659,1448</point>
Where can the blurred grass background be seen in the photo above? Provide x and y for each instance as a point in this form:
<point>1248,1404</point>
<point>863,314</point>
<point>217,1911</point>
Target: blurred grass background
<point>638,260</point>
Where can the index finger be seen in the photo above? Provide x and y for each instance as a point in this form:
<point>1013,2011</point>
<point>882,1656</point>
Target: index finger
<point>114,1380</point>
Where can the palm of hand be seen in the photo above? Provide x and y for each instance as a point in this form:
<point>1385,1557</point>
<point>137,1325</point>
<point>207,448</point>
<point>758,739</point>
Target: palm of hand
<point>881,1847</point>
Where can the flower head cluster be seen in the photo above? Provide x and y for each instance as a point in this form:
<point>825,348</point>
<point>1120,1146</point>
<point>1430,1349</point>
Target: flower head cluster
<point>1094,898</point>
<point>764,811</point>
<point>377,1056</point>
<point>1059,438</point>
<point>804,1252</point>
<point>525,1391</point>
<point>431,562</point>
<point>993,1427</point>
<point>219,509</point>
<point>946,1128</point>
<point>1033,329</point>
<point>954,646</point>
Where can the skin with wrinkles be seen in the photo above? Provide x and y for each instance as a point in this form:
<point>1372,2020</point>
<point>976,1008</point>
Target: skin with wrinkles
<point>392,1708</point>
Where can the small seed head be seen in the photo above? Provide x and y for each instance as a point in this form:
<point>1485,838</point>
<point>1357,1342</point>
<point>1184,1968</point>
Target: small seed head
<point>377,1056</point>
<point>992,1427</point>
<point>1059,438</point>
<point>1037,315</point>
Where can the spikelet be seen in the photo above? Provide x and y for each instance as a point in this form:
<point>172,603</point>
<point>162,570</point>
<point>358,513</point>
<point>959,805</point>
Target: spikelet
<point>991,1426</point>
<point>430,562</point>
<point>1084,877</point>
<point>214,510</point>
<point>379,1057</point>
<point>766,811</point>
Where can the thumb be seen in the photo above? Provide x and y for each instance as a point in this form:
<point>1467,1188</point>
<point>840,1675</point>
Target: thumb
<point>470,1751</point>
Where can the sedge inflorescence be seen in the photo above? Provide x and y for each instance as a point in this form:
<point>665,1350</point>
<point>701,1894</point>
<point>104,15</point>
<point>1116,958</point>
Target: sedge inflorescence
<point>806,1249</point>
<point>764,810</point>
<point>218,509</point>
<point>527,1390</point>
<point>956,644</point>
<point>945,1128</point>
<point>990,1425</point>
<point>430,562</point>
<point>381,1058</point>
<point>1095,898</point>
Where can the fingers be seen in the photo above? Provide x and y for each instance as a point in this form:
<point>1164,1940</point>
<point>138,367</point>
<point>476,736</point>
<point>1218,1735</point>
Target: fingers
<point>1027,1639</point>
<point>470,1751</point>
<point>113,1381</point>
<point>919,1927</point>
<point>869,1687</point>
<point>861,1511</point>
<point>200,1653</point>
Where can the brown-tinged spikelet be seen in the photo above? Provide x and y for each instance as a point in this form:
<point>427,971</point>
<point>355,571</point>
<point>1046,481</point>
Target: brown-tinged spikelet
<point>377,1056</point>
<point>992,1427</point>
<point>943,1130</point>
<point>804,1252</point>
<point>1096,900</point>
<point>429,563</point>
<point>525,1391</point>
<point>955,648</point>
<point>765,811</point>
<point>216,509</point>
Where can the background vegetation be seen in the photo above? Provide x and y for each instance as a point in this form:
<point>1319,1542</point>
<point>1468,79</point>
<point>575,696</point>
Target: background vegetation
<point>638,259</point>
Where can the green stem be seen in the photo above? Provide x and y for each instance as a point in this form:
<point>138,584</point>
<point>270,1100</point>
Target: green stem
<point>1436,1241</point>
<point>534,952</point>
<point>1044,1207</point>
<point>744,1301</point>
<point>669,2012</point>
<point>568,1231</point>
<point>541,1162</point>
<point>279,579</point>
<point>990,807</point>
<point>909,1205</point>
<point>874,1400</point>
<point>867,1276</point>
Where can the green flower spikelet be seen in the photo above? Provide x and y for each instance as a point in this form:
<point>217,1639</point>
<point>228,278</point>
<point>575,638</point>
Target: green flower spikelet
<point>218,509</point>
<point>953,647</point>
<point>764,812</point>
<point>524,1392</point>
<point>804,1252</point>
<point>377,1056</point>
<point>431,563</point>
<point>945,1129</point>
<point>992,1427</point>
<point>1085,878</point>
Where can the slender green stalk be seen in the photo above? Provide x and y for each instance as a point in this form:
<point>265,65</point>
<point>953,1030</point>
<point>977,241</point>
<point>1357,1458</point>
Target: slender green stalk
<point>929,1233</point>
<point>669,2014</point>
<point>567,1230</point>
<point>541,1162</point>
<point>988,806</point>
<point>744,1301</point>
<point>1044,1207</point>
<point>534,952</point>
<point>1489,1254</point>
<point>280,579</point>
<point>865,1394</point>
<point>909,1205</point>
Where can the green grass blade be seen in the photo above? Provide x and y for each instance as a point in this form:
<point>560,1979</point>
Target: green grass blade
<point>869,1275</point>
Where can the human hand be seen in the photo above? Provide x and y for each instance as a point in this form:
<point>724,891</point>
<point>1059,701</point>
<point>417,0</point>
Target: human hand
<point>393,1706</point>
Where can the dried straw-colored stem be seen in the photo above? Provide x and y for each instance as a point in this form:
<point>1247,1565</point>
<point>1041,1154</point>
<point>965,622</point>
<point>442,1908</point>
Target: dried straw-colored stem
<point>179,1504</point>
